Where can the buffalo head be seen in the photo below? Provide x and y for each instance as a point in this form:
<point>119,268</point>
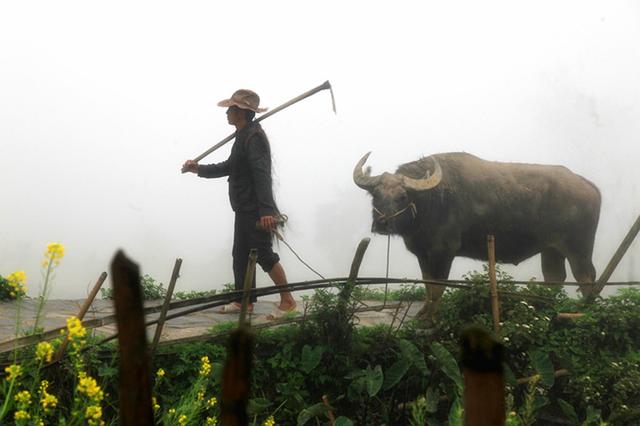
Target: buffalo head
<point>394,209</point>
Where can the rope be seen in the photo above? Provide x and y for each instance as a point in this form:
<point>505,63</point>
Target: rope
<point>279,236</point>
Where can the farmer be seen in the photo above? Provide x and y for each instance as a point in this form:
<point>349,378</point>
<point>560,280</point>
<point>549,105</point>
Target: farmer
<point>251,196</point>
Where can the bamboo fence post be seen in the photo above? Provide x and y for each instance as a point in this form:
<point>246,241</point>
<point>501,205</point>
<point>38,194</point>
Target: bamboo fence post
<point>345,292</point>
<point>613,263</point>
<point>83,310</point>
<point>248,281</point>
<point>482,368</point>
<point>236,373</point>
<point>165,307</point>
<point>135,377</point>
<point>495,303</point>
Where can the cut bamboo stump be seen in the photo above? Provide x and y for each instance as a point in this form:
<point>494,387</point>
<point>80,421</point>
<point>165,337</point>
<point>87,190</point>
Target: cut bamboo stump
<point>135,377</point>
<point>236,374</point>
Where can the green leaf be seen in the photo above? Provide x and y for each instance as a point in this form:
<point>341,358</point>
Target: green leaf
<point>343,421</point>
<point>374,380</point>
<point>509,377</point>
<point>258,405</point>
<point>412,354</point>
<point>449,365</point>
<point>543,366</point>
<point>432,398</point>
<point>356,389</point>
<point>311,357</point>
<point>311,412</point>
<point>456,413</point>
<point>395,373</point>
<point>568,410</point>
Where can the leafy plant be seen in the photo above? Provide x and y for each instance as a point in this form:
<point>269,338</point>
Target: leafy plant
<point>151,289</point>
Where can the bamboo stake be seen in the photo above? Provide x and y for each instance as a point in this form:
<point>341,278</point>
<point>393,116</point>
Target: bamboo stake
<point>495,304</point>
<point>165,306</point>
<point>135,376</point>
<point>613,263</point>
<point>248,281</point>
<point>236,373</point>
<point>83,310</point>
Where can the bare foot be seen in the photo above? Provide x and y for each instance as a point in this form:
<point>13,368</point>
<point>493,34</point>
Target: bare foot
<point>287,306</point>
<point>234,308</point>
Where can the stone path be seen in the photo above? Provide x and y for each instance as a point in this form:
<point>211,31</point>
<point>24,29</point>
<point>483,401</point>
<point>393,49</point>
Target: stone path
<point>57,311</point>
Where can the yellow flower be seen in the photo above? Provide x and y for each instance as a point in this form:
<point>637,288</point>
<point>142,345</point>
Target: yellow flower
<point>44,351</point>
<point>212,421</point>
<point>88,386</point>
<point>212,402</point>
<point>75,328</point>
<point>13,372</point>
<point>18,281</point>
<point>269,422</point>
<point>93,412</point>
<point>200,395</point>
<point>21,415</point>
<point>47,400</point>
<point>155,404</point>
<point>182,420</point>
<point>205,367</point>
<point>160,372</point>
<point>23,398</point>
<point>172,410</point>
<point>55,252</point>
<point>18,277</point>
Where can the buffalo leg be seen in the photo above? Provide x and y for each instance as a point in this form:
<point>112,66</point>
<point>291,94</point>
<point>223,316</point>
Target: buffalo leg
<point>553,268</point>
<point>433,268</point>
<point>584,272</point>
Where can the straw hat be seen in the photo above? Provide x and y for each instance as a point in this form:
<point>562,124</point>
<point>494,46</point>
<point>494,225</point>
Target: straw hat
<point>243,99</point>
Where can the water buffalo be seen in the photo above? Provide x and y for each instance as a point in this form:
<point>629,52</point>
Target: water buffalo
<point>445,205</point>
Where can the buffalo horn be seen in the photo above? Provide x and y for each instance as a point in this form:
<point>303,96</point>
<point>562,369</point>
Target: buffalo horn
<point>428,182</point>
<point>364,179</point>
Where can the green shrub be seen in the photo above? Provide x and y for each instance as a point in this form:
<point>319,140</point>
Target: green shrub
<point>151,289</point>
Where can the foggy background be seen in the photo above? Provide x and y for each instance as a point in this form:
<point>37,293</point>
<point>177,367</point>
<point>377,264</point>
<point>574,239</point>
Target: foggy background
<point>101,103</point>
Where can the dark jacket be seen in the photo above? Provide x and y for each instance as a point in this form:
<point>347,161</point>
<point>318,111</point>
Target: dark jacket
<point>249,171</point>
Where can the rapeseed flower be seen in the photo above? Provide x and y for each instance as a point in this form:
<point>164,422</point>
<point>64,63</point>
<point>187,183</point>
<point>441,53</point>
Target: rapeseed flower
<point>44,352</point>
<point>13,372</point>
<point>23,399</point>
<point>212,421</point>
<point>47,400</point>
<point>212,402</point>
<point>88,386</point>
<point>21,415</point>
<point>182,420</point>
<point>160,372</point>
<point>93,412</point>
<point>155,404</point>
<point>75,328</point>
<point>269,422</point>
<point>18,282</point>
<point>55,252</point>
<point>205,366</point>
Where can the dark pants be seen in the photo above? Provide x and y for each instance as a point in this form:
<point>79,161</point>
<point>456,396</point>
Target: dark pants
<point>245,237</point>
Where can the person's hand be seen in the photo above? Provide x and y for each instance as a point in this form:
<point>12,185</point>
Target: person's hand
<point>190,166</point>
<point>267,223</point>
